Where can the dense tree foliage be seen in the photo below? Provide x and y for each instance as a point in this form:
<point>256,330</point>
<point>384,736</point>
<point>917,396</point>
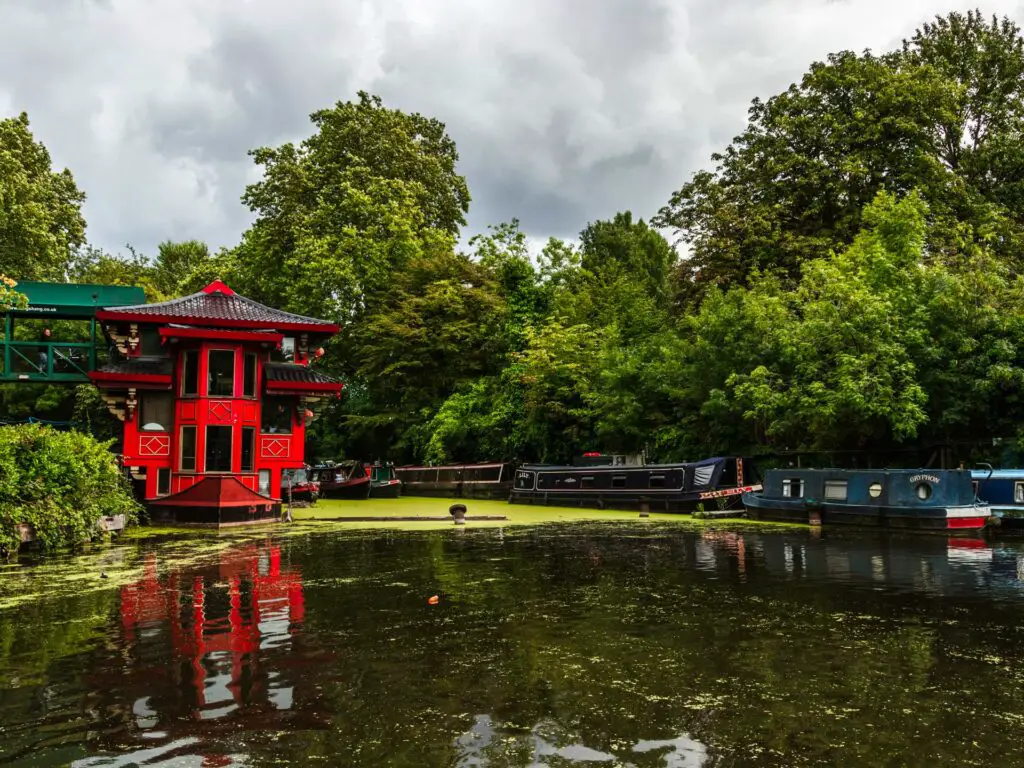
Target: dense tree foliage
<point>59,482</point>
<point>40,209</point>
<point>941,116</point>
<point>852,282</point>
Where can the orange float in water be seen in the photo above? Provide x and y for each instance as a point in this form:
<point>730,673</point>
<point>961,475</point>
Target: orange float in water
<point>433,600</point>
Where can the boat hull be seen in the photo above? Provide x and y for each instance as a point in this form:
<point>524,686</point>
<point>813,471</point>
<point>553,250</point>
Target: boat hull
<point>358,489</point>
<point>387,490</point>
<point>671,501</point>
<point>456,490</point>
<point>946,518</point>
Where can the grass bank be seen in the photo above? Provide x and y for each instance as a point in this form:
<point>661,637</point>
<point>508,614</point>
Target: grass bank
<point>345,512</point>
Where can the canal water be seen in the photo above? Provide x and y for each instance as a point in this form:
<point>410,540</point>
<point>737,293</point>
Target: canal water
<point>644,645</point>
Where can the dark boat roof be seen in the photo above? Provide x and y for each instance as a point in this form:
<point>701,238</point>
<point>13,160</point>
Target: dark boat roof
<point>619,467</point>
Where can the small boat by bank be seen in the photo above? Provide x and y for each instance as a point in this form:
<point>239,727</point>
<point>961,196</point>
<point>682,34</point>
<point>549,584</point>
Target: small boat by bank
<point>927,499</point>
<point>300,485</point>
<point>715,483</point>
<point>384,483</point>
<point>459,481</point>
<point>347,480</point>
<point>1003,491</point>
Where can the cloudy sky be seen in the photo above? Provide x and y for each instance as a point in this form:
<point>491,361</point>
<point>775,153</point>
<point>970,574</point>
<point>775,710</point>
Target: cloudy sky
<point>564,111</point>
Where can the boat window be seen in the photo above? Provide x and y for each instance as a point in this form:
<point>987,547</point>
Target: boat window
<point>924,491</point>
<point>875,490</point>
<point>619,481</point>
<point>163,481</point>
<point>190,372</point>
<point>218,449</point>
<point>656,481</point>
<point>249,375</point>
<point>1018,493</point>
<point>587,482</point>
<point>248,448</point>
<point>220,373</point>
<point>187,462</point>
<point>792,488</point>
<point>277,416</point>
<point>157,411</point>
<point>265,482</point>
<point>835,490</point>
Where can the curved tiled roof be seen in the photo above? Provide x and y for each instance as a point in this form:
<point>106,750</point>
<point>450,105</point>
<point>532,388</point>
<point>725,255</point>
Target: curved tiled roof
<point>295,374</point>
<point>217,303</point>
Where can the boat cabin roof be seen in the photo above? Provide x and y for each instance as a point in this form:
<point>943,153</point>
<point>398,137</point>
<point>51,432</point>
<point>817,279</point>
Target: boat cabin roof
<point>619,467</point>
<point>998,474</point>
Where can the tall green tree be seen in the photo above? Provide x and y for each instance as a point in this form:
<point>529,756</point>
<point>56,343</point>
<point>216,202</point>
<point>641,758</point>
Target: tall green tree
<point>941,116</point>
<point>338,214</point>
<point>176,266</point>
<point>436,329</point>
<point>40,209</point>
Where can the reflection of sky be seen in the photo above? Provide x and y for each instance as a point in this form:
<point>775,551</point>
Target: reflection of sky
<point>153,755</point>
<point>485,741</point>
<point>217,694</point>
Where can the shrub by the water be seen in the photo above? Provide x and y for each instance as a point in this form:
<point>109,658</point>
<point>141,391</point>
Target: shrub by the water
<point>60,483</point>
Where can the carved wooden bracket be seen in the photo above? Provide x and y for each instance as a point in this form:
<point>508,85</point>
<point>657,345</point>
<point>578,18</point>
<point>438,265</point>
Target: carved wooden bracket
<point>131,403</point>
<point>116,405</point>
<point>119,339</point>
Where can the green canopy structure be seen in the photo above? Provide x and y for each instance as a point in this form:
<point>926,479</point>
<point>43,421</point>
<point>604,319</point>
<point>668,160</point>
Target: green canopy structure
<point>48,360</point>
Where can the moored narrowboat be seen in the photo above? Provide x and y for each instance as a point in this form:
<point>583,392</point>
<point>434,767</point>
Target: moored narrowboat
<point>1003,491</point>
<point>716,483</point>
<point>928,499</point>
<point>347,480</point>
<point>384,484</point>
<point>468,481</point>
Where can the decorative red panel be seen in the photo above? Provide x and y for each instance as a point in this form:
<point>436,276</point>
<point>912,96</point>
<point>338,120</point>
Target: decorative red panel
<point>276,447</point>
<point>250,411</point>
<point>154,445</point>
<point>188,410</point>
<point>220,411</point>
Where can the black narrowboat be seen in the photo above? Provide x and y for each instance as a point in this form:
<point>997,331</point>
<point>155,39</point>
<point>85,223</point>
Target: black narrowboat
<point>931,499</point>
<point>459,481</point>
<point>716,483</point>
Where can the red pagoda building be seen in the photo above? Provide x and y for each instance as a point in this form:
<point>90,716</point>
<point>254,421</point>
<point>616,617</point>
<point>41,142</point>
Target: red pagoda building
<point>215,392</point>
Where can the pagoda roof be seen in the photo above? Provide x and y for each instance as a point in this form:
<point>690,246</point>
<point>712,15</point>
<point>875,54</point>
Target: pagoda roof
<point>300,378</point>
<point>214,491</point>
<point>217,306</point>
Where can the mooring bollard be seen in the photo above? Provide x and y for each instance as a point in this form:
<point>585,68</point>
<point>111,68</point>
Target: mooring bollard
<point>458,512</point>
<point>645,508</point>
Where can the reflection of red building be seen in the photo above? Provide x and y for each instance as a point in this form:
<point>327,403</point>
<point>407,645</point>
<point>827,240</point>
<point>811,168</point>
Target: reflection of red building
<point>215,391</point>
<point>231,629</point>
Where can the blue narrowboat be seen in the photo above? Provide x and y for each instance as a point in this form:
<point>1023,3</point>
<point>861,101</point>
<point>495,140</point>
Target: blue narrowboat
<point>1003,491</point>
<point>932,499</point>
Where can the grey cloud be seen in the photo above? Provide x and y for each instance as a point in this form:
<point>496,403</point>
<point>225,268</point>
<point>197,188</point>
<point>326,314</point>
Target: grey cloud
<point>563,112</point>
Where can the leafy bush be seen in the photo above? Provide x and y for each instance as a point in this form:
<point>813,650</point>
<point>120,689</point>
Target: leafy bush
<point>61,483</point>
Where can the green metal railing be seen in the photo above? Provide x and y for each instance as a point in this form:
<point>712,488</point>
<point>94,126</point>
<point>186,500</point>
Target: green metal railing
<point>48,360</point>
